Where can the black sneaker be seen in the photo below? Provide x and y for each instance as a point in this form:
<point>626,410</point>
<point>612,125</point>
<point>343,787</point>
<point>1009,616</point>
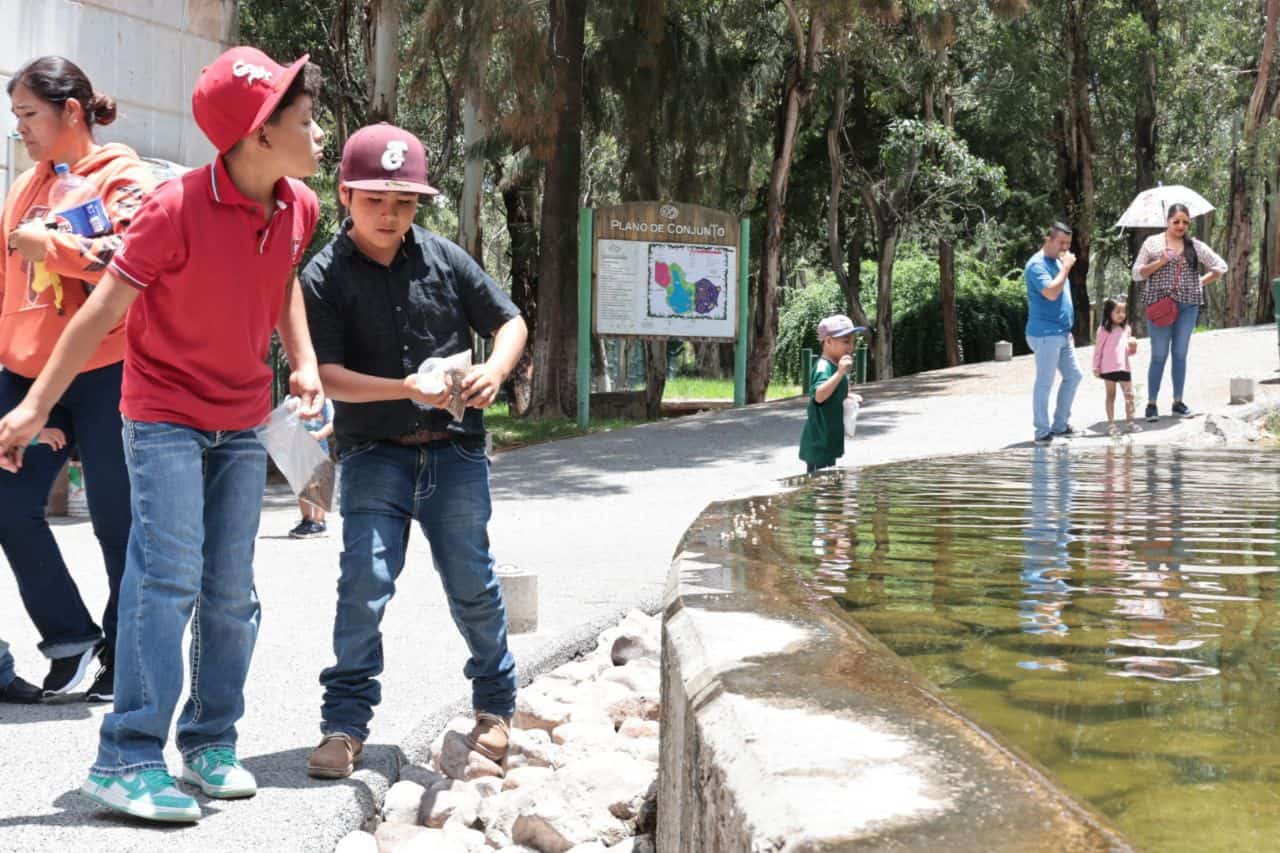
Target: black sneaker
<point>1044,440</point>
<point>20,692</point>
<point>65,674</point>
<point>1067,433</point>
<point>103,687</point>
<point>308,530</point>
<point>1153,414</point>
<point>1182,410</point>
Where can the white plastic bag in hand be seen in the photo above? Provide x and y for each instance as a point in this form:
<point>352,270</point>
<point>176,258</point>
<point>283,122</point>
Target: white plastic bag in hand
<point>851,406</point>
<point>308,469</point>
<point>431,375</point>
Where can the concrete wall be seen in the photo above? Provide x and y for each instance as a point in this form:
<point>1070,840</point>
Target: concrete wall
<point>144,53</point>
<point>787,729</point>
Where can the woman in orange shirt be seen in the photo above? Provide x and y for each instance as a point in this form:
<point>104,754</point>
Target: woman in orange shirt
<point>46,276</point>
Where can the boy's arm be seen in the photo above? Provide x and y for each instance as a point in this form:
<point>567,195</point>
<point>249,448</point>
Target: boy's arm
<point>480,388</point>
<point>104,309</point>
<point>824,391</point>
<point>348,386</point>
<point>304,380</point>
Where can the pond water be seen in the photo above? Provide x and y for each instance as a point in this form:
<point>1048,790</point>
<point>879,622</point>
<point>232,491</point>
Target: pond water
<point>1115,615</point>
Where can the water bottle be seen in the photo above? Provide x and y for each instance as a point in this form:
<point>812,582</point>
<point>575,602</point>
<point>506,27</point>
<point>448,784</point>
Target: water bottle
<point>68,189</point>
<point>76,205</point>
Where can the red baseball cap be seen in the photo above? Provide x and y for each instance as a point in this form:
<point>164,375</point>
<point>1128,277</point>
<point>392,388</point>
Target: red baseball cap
<point>385,157</point>
<point>237,93</point>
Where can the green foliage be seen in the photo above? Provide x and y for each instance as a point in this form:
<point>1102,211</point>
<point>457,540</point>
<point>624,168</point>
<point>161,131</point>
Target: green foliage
<point>984,315</point>
<point>991,307</point>
<point>798,324</point>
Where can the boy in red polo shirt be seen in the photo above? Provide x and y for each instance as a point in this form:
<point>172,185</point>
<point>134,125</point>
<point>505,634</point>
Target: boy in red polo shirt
<point>208,268</point>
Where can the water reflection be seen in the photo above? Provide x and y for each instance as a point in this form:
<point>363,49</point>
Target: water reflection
<point>1113,614</point>
<point>1046,543</point>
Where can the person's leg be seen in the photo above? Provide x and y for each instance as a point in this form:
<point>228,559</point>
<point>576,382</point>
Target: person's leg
<point>225,627</point>
<point>45,585</point>
<point>1161,337</point>
<point>1046,353</point>
<point>1127,388</point>
<point>161,583</point>
<point>454,514</point>
<point>95,414</point>
<point>1183,327</point>
<point>377,506</point>
<point>1071,377</point>
<point>1111,403</point>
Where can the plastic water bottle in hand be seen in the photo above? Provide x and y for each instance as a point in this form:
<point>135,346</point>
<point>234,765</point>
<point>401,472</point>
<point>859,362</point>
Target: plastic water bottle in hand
<point>76,207</point>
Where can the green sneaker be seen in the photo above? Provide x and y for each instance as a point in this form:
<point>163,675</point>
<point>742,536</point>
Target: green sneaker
<point>219,774</point>
<point>149,794</point>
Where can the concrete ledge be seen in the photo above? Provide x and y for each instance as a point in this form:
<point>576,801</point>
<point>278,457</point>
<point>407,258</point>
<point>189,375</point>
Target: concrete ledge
<point>787,729</point>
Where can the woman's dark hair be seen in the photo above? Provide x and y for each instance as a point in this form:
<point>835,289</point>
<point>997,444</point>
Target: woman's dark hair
<point>1110,306</point>
<point>1188,242</point>
<point>55,80</point>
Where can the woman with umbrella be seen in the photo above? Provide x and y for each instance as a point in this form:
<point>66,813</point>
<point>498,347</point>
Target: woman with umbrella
<point>1174,267</point>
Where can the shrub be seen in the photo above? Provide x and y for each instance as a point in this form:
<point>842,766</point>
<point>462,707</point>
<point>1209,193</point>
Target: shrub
<point>983,316</point>
<point>798,324</point>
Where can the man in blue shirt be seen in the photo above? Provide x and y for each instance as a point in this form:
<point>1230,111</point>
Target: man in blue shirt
<point>1050,315</point>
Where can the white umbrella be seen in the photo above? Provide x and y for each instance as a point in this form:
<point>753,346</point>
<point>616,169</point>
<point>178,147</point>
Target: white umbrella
<point>1150,208</point>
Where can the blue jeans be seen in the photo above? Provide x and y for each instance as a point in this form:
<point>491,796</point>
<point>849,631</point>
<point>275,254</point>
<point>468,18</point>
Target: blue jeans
<point>386,487</point>
<point>1054,354</point>
<point>1176,336</point>
<point>7,675</point>
<point>196,500</point>
<point>89,414</point>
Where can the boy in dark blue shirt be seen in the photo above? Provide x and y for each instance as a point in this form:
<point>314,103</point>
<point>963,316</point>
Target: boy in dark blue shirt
<point>382,297</point>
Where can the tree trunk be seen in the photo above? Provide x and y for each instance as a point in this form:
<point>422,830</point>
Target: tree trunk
<point>1144,123</point>
<point>947,249</point>
<point>848,278</point>
<point>947,280</point>
<point>1239,240</point>
<point>884,303</point>
<point>520,196</point>
<point>655,375</point>
<point>1075,159</point>
<point>706,359</point>
<point>796,90</point>
<point>1244,158</point>
<point>555,355</point>
<point>384,59</point>
<point>475,129</point>
<point>1270,256</point>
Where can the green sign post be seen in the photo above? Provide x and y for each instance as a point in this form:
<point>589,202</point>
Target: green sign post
<point>652,270</point>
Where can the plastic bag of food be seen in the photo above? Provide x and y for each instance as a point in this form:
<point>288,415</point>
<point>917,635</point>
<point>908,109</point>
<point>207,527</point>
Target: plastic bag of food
<point>851,405</point>
<point>431,374</point>
<point>305,465</point>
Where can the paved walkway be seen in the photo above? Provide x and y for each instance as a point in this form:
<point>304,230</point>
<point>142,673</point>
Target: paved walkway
<point>597,518</point>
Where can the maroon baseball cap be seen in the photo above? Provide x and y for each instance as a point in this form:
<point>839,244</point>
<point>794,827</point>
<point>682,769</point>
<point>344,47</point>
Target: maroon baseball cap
<point>238,92</point>
<point>385,157</point>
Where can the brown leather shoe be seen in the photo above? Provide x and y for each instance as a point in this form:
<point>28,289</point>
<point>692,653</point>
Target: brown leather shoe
<point>490,735</point>
<point>335,758</point>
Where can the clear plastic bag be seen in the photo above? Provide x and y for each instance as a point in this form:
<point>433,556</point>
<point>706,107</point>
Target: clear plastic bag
<point>431,374</point>
<point>851,406</point>
<point>298,455</point>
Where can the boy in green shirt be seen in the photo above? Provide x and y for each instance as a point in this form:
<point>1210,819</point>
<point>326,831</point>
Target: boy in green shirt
<point>822,441</point>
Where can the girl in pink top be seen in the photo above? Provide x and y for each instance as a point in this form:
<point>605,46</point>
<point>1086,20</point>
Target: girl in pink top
<point>1111,352</point>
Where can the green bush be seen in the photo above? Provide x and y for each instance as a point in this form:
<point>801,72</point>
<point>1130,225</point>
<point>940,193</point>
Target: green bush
<point>983,316</point>
<point>798,324</point>
<point>988,308</point>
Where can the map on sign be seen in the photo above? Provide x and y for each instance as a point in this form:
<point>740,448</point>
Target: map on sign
<point>689,282</point>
